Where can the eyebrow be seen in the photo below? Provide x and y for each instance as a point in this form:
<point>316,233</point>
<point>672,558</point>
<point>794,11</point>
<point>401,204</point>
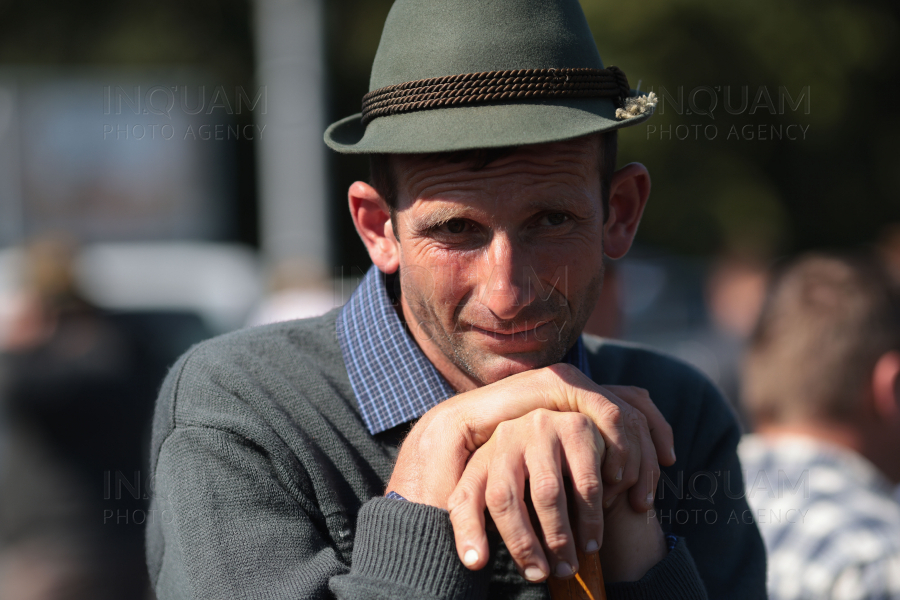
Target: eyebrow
<point>443,214</point>
<point>438,216</point>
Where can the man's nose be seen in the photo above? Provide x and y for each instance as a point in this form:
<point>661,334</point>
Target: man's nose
<point>506,286</point>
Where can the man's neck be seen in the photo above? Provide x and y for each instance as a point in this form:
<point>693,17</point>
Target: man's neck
<point>831,433</point>
<point>859,439</point>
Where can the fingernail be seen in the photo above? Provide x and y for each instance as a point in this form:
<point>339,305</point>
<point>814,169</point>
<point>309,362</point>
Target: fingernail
<point>564,569</point>
<point>619,474</point>
<point>534,574</point>
<point>471,557</point>
<point>672,452</point>
<point>591,546</point>
<point>609,502</point>
<point>650,499</point>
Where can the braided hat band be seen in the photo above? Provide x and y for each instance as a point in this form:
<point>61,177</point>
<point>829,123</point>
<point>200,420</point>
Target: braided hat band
<point>495,86</point>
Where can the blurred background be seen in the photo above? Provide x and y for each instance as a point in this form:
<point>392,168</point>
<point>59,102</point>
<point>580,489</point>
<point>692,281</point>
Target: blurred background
<point>163,179</point>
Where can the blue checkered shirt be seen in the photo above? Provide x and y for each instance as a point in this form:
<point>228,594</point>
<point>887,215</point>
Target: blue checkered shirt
<point>828,518</point>
<point>393,380</point>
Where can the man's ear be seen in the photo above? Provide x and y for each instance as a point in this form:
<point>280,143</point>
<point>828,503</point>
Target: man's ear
<point>372,219</point>
<point>629,189</point>
<point>886,386</point>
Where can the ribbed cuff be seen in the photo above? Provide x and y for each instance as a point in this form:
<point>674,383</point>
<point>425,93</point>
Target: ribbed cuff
<point>411,545</point>
<point>673,578</point>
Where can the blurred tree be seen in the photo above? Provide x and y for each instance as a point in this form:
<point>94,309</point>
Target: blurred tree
<point>213,33</point>
<point>739,192</point>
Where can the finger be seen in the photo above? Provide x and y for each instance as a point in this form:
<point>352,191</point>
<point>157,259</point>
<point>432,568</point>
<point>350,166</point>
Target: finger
<point>636,431</point>
<point>466,505</point>
<point>621,433</point>
<point>543,459</point>
<point>609,413</point>
<point>660,430</point>
<point>641,494</point>
<point>480,411</point>
<point>560,387</point>
<point>582,455</point>
<point>504,497</point>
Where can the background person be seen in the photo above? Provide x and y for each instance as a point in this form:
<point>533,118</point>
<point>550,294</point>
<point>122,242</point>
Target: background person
<point>76,391</point>
<point>822,384</point>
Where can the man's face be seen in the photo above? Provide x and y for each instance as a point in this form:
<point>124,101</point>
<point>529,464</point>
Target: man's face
<point>500,267</point>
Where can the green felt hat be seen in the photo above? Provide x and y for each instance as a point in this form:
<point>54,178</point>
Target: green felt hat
<point>461,74</point>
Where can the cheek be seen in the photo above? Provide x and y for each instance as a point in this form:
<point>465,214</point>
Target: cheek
<point>568,271</point>
<point>438,281</point>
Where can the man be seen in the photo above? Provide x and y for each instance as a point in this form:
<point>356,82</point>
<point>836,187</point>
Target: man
<point>823,384</point>
<point>494,197</point>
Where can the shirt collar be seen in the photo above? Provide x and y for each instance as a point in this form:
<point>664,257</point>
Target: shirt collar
<point>393,380</point>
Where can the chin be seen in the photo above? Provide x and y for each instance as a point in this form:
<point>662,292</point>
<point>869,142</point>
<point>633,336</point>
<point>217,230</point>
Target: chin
<point>497,367</point>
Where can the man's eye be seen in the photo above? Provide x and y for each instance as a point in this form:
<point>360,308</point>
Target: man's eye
<point>556,218</point>
<point>456,226</point>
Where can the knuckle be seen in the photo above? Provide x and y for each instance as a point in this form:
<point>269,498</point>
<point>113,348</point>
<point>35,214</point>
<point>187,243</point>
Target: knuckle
<point>502,431</point>
<point>545,490</point>
<point>642,419</point>
<point>521,547</point>
<point>636,421</point>
<point>501,500</point>
<point>612,413</point>
<point>580,422</point>
<point>589,486</point>
<point>540,418</point>
<point>457,500</point>
<point>556,540</point>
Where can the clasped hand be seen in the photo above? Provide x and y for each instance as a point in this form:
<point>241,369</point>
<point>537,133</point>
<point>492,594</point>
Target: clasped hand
<point>481,448</point>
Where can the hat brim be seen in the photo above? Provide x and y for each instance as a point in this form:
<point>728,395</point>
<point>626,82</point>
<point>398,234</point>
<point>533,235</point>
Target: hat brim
<point>469,127</point>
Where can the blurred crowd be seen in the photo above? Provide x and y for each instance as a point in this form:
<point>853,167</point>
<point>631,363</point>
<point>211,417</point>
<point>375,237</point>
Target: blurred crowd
<point>77,388</point>
<point>807,351</point>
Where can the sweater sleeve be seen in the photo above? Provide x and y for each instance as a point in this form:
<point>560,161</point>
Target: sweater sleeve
<point>234,514</point>
<point>407,550</point>
<point>229,529</point>
<point>232,531</point>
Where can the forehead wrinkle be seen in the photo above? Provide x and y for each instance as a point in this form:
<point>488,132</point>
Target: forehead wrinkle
<point>434,183</point>
<point>577,158</point>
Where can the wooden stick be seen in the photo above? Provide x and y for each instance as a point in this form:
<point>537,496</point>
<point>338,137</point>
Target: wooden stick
<point>588,581</point>
<point>586,585</point>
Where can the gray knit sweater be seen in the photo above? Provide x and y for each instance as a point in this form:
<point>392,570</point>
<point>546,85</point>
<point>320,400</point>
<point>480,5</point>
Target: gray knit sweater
<point>268,485</point>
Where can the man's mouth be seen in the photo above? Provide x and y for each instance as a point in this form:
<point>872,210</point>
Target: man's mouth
<point>519,330</point>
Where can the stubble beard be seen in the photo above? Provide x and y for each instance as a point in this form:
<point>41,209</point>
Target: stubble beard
<point>474,361</point>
